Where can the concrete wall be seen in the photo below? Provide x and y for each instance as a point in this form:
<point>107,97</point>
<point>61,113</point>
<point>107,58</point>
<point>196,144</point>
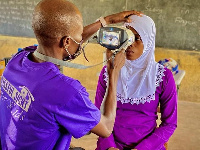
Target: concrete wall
<point>187,60</point>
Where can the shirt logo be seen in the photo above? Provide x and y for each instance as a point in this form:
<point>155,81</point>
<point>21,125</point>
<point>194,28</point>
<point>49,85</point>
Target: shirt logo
<point>22,98</point>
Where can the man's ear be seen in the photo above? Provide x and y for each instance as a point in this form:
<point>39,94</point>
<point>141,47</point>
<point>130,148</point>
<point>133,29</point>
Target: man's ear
<point>64,42</point>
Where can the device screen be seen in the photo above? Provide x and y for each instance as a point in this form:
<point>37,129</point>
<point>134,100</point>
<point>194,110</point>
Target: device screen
<point>111,38</point>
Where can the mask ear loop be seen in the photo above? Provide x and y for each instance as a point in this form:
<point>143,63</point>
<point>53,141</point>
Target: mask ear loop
<point>70,57</point>
<point>83,49</point>
<point>93,37</point>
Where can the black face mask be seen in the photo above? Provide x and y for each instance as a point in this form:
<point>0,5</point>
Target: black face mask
<point>72,57</point>
<point>77,53</point>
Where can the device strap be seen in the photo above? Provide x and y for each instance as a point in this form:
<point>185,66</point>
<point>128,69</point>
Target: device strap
<point>64,63</point>
<point>74,65</point>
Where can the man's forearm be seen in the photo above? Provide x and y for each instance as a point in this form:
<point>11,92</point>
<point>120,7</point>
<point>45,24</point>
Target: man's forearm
<point>109,108</point>
<point>89,30</point>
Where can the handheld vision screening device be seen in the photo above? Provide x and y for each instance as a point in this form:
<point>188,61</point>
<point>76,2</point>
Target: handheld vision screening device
<point>115,37</point>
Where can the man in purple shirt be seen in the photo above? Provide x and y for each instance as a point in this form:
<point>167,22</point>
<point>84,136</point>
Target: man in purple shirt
<point>40,108</point>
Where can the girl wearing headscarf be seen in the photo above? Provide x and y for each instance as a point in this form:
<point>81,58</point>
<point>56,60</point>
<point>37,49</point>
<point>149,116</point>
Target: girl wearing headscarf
<point>143,84</point>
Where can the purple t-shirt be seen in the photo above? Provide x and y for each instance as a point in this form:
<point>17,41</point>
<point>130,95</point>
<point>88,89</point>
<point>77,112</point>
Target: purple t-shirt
<point>135,124</point>
<point>40,108</point>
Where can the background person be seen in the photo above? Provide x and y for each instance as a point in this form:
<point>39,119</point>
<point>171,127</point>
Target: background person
<point>142,85</point>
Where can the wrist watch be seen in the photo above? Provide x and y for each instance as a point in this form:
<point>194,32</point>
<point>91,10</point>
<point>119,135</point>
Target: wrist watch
<point>103,22</point>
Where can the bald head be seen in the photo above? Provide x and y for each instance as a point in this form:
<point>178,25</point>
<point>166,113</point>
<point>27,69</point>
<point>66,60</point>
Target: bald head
<point>54,19</point>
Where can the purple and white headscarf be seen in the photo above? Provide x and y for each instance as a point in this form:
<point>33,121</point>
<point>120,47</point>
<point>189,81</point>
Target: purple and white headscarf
<point>139,78</point>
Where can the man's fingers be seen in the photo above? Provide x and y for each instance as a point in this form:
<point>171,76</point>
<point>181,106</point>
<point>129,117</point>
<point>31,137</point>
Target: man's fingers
<point>139,13</point>
<point>123,50</point>
<point>128,20</point>
<point>120,55</point>
<point>132,12</point>
<point>108,53</point>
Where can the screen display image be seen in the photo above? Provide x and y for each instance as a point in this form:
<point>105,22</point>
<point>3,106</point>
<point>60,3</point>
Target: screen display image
<point>111,38</point>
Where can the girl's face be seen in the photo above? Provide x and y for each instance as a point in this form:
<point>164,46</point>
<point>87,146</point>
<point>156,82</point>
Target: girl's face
<point>135,50</point>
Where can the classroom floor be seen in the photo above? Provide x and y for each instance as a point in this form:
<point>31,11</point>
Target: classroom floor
<point>186,136</point>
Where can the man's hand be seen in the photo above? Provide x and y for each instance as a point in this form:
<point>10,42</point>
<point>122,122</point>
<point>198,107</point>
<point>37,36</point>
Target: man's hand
<point>89,30</point>
<point>117,62</point>
<point>121,17</point>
